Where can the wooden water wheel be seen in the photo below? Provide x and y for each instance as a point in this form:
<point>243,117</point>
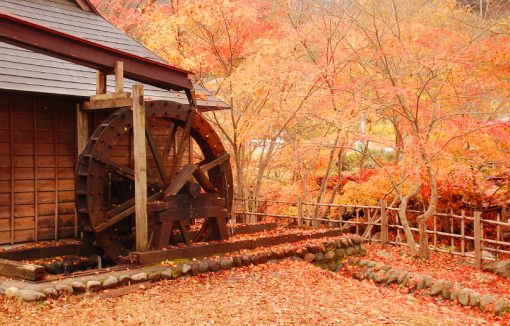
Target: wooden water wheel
<point>189,180</point>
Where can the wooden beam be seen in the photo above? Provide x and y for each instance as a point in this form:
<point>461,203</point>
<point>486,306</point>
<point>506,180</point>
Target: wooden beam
<point>119,77</point>
<point>107,104</point>
<point>140,155</point>
<point>110,96</point>
<point>12,268</point>
<point>100,83</point>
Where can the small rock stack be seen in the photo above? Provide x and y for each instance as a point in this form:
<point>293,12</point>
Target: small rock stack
<point>328,253</point>
<point>383,274</point>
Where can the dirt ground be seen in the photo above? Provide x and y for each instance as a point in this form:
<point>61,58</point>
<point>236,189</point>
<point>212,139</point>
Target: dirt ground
<point>289,292</point>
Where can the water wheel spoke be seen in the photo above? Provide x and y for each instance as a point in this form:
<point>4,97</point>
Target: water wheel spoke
<point>170,143</point>
<point>180,179</point>
<point>214,163</point>
<point>182,144</point>
<point>203,180</point>
<point>129,173</point>
<point>160,165</point>
<point>122,211</point>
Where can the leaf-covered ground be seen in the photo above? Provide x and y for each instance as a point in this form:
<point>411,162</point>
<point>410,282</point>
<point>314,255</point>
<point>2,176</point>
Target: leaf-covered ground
<point>290,292</point>
<point>446,266</point>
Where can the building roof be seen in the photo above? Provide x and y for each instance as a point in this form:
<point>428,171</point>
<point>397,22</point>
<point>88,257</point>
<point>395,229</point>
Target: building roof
<point>24,70</point>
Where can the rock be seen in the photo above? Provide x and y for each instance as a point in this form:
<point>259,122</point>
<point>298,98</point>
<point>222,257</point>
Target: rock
<point>474,298</point>
<point>124,280</point>
<point>378,266</point>
<point>501,267</point>
<point>237,261</point>
<point>344,243</point>
<point>454,294</point>
<point>330,255</point>
<point>11,292</point>
<point>340,253</point>
<point>194,268</point>
<point>331,266</point>
<point>387,275</point>
<point>393,276</point>
<point>31,295</point>
<point>421,283</point>
<point>280,254</point>
<point>246,260</point>
<point>64,289</point>
<point>486,300</point>
<point>185,269</point>
<point>78,286</point>
<point>176,272</point>
<point>319,256</point>
<point>401,277</point>
<point>139,277</point>
<point>255,259</point>
<point>155,276</point>
<point>437,288</point>
<point>357,249</point>
<point>428,281</point>
<point>371,264</point>
<point>363,262</point>
<point>166,274</point>
<point>110,282</point>
<point>405,279</point>
<point>446,290</point>
<point>500,306</point>
<point>386,267</point>
<point>463,297</point>
<point>339,266</point>
<point>263,257</point>
<point>301,252</point>
<point>309,258</point>
<point>203,266</point>
<point>228,262</point>
<point>350,251</point>
<point>93,286</point>
<point>362,251</point>
<point>289,252</point>
<point>50,292</point>
<point>214,265</point>
<point>350,242</point>
<point>383,254</point>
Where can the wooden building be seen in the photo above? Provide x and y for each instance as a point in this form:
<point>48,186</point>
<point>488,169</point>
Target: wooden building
<point>39,95</point>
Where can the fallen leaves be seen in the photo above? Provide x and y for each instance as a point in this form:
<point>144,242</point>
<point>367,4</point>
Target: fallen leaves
<point>290,292</point>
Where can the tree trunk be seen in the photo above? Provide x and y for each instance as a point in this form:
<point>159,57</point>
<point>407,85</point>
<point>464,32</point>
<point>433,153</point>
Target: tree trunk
<point>405,224</point>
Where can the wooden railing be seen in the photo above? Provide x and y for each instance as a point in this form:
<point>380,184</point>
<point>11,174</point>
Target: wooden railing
<point>468,234</point>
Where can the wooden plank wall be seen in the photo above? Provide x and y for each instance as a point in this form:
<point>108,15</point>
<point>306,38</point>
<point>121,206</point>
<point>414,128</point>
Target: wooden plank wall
<point>37,159</point>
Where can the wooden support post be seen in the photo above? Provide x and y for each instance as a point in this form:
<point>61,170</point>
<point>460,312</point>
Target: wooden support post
<point>498,235</point>
<point>100,83</point>
<point>140,156</point>
<point>452,243</point>
<point>463,233</point>
<point>478,240</point>
<point>299,207</point>
<point>384,224</point>
<point>435,231</point>
<point>82,129</point>
<point>119,77</point>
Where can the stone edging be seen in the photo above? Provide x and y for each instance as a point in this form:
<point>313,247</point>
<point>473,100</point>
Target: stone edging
<point>383,274</point>
<point>325,252</point>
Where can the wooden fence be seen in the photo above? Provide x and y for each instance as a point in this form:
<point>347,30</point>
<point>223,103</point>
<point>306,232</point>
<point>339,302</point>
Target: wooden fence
<point>469,234</point>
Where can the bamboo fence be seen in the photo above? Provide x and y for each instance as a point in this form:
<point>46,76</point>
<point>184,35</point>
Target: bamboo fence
<point>468,234</point>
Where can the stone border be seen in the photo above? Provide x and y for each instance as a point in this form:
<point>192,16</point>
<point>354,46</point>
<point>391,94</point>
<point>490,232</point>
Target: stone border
<point>325,252</point>
<point>383,274</point>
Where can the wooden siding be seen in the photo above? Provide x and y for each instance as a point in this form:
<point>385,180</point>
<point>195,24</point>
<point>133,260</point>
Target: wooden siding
<point>37,159</point>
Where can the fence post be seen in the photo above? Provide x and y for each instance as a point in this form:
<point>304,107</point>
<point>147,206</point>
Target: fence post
<point>478,240</point>
<point>384,224</point>
<point>463,234</point>
<point>299,212</point>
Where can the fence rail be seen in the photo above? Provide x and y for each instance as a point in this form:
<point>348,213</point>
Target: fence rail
<point>470,235</point>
